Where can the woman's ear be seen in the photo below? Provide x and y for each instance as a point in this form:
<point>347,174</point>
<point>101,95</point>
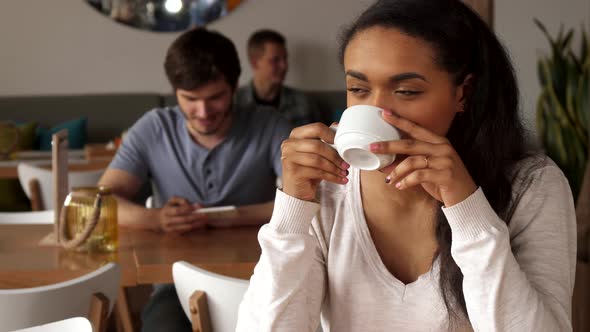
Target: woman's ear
<point>464,91</point>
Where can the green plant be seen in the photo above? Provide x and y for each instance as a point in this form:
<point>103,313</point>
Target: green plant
<point>563,106</point>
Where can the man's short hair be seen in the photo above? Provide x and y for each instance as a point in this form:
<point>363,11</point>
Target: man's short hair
<point>200,56</point>
<point>259,38</point>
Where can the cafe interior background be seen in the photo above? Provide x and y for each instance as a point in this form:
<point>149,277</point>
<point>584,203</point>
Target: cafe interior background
<point>64,47</point>
<point>65,53</point>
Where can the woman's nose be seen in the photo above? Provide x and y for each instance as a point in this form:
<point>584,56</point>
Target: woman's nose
<point>381,99</point>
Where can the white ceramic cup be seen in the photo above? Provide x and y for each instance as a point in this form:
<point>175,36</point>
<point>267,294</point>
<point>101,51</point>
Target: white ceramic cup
<point>359,126</point>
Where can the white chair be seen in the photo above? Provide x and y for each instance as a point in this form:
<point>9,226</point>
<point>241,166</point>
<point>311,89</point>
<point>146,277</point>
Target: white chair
<point>27,218</point>
<point>77,324</point>
<point>91,295</point>
<point>149,202</point>
<point>209,300</point>
<point>41,194</point>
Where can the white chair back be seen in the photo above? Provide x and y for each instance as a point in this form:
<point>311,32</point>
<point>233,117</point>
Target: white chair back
<point>78,324</point>
<point>26,307</point>
<point>27,218</point>
<point>27,172</point>
<point>224,294</point>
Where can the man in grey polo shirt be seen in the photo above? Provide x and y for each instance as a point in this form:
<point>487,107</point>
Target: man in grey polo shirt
<point>207,151</point>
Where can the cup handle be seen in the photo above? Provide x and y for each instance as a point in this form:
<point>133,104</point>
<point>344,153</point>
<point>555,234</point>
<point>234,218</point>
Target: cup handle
<point>82,236</point>
<point>333,127</point>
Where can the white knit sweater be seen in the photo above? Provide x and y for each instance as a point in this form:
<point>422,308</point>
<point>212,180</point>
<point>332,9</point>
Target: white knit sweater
<point>516,278</point>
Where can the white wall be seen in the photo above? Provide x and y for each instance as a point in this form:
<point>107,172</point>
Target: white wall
<point>65,46</point>
<point>525,42</point>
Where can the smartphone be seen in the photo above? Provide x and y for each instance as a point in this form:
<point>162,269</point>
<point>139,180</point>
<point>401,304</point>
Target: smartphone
<point>219,212</point>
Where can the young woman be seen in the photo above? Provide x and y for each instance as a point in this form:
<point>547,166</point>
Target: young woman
<point>464,231</point>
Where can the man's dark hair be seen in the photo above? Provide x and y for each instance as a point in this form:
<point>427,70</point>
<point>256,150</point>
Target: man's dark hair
<point>200,56</point>
<point>259,38</point>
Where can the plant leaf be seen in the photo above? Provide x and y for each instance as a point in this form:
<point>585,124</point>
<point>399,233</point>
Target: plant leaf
<point>563,107</point>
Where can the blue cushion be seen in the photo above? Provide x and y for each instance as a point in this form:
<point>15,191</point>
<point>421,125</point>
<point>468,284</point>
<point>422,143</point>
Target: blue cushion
<point>76,134</point>
<point>336,115</point>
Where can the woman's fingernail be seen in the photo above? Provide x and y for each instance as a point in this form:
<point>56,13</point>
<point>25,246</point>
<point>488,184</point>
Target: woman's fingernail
<point>345,165</point>
<point>387,112</point>
<point>388,179</point>
<point>344,180</point>
<point>398,185</point>
<point>375,147</point>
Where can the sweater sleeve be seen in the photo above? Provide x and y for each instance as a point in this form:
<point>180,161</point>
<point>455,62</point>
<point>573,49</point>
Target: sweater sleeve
<point>522,278</point>
<point>288,285</point>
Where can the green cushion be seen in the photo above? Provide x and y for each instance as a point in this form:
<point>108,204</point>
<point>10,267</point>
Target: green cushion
<point>7,138</point>
<point>76,134</point>
<point>28,133</point>
<point>12,196</point>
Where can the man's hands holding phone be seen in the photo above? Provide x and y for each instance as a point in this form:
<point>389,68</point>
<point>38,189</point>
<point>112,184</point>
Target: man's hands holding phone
<point>180,216</point>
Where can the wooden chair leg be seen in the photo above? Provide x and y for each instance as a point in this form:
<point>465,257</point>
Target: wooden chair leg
<point>122,312</point>
<point>35,190</point>
<point>199,312</point>
<point>99,309</point>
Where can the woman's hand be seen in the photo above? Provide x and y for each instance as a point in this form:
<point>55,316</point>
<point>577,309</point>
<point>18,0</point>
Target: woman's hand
<point>431,162</point>
<point>307,161</point>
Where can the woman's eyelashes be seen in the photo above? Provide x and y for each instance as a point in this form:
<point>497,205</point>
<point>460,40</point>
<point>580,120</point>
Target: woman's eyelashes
<point>408,93</point>
<point>357,91</point>
<point>405,93</point>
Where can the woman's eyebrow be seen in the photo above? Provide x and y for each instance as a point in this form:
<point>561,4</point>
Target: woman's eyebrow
<point>394,79</point>
<point>406,76</point>
<point>357,75</point>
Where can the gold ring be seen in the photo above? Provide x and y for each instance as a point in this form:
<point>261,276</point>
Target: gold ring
<point>426,160</point>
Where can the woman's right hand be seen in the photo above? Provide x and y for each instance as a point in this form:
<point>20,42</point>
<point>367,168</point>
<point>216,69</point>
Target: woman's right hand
<point>307,161</point>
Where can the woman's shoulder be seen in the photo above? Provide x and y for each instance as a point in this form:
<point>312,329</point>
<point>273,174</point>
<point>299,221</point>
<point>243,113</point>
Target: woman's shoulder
<point>534,169</point>
<point>541,194</point>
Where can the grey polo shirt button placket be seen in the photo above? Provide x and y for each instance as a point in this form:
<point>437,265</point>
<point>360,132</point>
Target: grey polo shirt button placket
<point>209,178</point>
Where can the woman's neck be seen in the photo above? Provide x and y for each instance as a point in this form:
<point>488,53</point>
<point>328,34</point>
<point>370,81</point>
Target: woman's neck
<point>402,224</point>
<point>373,185</point>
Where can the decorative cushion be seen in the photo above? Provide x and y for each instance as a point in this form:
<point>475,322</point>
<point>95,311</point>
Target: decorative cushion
<point>336,115</point>
<point>9,135</point>
<point>12,196</point>
<point>76,134</point>
<point>28,133</point>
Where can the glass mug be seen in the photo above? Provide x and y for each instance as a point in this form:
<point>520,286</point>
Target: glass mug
<point>88,220</point>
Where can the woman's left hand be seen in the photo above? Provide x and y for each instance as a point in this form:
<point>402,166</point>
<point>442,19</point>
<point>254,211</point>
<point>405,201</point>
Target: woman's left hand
<point>431,162</point>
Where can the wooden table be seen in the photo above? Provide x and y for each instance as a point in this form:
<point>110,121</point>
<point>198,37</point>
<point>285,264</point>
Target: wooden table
<point>229,251</point>
<point>8,167</point>
<point>23,263</point>
<point>145,257</point>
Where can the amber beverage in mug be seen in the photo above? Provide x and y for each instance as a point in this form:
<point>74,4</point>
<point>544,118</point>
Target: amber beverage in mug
<point>89,220</point>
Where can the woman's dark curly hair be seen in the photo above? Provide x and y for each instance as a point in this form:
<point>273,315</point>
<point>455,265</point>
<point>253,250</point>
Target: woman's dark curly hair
<point>488,136</point>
